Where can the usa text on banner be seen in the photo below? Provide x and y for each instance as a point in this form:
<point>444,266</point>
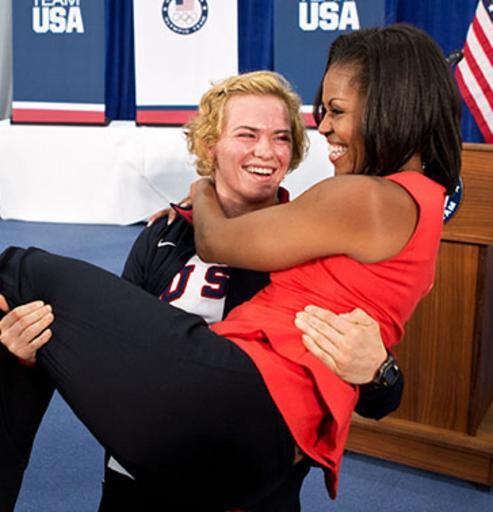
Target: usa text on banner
<point>181,46</point>
<point>475,72</point>
<point>59,65</point>
<point>303,32</point>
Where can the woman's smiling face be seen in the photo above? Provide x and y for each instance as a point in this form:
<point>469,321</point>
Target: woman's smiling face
<point>342,122</point>
<point>254,150</point>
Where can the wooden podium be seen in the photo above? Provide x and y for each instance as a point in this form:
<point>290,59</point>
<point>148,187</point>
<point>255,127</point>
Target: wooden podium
<point>445,421</point>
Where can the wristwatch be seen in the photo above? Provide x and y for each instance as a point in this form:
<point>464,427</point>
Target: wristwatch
<point>388,373</point>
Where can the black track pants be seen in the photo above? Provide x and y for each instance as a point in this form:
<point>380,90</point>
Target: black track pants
<point>171,400</point>
<point>24,396</point>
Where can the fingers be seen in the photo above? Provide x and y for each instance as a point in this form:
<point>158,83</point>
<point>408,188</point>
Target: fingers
<point>172,214</point>
<point>3,304</point>
<point>349,344</point>
<point>23,316</point>
<point>25,329</point>
<point>187,201</point>
<point>337,322</point>
<point>318,329</point>
<point>318,352</point>
<point>157,215</point>
<point>27,353</point>
<point>321,338</point>
<point>171,217</point>
<point>358,316</point>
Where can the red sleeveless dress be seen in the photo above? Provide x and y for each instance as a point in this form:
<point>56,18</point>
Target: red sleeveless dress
<point>316,404</point>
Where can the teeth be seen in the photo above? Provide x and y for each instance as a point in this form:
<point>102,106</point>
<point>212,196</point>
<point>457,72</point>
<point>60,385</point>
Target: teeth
<point>336,150</point>
<point>259,170</point>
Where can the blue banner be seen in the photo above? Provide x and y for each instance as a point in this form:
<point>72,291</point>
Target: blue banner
<point>59,61</point>
<point>304,30</point>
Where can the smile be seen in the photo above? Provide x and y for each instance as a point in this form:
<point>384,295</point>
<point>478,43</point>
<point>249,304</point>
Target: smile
<point>336,151</point>
<point>262,171</point>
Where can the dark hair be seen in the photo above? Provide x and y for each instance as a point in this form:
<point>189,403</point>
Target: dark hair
<point>411,102</point>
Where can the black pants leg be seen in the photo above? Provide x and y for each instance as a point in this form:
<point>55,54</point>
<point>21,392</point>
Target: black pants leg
<point>123,494</point>
<point>24,397</point>
<point>170,399</point>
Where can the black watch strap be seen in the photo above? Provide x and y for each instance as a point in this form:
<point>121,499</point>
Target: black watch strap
<point>388,373</point>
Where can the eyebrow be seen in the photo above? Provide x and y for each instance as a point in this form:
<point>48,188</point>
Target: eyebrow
<point>253,129</point>
<point>335,99</point>
<point>329,104</point>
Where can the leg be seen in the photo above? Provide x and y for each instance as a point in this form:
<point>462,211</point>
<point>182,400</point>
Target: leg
<point>24,397</point>
<point>171,400</point>
<point>120,493</point>
<point>286,498</point>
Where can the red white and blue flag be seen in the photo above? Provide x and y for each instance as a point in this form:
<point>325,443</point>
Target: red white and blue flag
<point>184,5</point>
<point>474,73</point>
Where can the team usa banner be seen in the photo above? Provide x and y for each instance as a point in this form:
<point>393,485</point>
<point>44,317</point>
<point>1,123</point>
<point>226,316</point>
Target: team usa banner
<point>303,32</point>
<point>181,46</point>
<point>59,61</point>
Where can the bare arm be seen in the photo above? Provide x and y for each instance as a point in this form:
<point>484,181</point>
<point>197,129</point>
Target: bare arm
<point>366,218</point>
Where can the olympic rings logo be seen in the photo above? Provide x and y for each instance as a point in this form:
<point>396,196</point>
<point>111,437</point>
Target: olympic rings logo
<point>187,18</point>
<point>185,22</point>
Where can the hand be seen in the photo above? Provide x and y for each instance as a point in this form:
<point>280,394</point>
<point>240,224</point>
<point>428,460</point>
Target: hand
<point>160,213</point>
<point>349,344</point>
<point>170,212</point>
<point>24,330</point>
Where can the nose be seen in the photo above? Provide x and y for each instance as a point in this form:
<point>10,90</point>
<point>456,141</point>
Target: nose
<point>263,148</point>
<point>325,126</point>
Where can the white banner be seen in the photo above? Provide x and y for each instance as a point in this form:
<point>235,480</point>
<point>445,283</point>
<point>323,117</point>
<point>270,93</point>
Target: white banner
<point>180,47</point>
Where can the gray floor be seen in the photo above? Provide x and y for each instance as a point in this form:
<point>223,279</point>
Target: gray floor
<point>65,470</point>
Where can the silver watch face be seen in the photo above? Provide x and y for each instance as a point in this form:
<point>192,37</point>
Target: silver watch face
<point>390,374</point>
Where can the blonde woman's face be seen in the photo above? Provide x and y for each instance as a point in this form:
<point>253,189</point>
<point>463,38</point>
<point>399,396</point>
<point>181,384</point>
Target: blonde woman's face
<point>254,150</point>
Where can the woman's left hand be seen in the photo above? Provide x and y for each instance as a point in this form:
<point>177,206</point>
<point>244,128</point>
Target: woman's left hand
<point>349,344</point>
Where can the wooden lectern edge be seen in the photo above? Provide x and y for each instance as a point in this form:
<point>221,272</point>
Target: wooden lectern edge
<point>476,146</point>
<point>482,443</point>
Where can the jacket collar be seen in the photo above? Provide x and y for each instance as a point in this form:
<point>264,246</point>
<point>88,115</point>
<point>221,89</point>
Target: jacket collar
<point>187,212</point>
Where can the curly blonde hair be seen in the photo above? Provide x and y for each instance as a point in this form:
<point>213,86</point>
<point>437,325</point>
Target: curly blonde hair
<point>203,131</point>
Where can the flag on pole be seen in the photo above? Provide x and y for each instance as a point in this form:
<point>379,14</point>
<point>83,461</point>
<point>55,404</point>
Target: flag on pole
<point>474,73</point>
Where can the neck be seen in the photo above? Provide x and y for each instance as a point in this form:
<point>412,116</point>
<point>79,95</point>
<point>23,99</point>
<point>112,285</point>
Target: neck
<point>413,164</point>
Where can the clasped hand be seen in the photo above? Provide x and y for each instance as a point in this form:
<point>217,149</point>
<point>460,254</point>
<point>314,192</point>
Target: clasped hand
<point>24,330</point>
<point>349,344</point>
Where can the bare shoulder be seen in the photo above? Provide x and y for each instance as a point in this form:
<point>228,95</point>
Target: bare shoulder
<point>379,215</point>
<point>370,192</point>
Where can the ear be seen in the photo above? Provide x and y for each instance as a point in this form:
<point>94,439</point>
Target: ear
<point>211,151</point>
